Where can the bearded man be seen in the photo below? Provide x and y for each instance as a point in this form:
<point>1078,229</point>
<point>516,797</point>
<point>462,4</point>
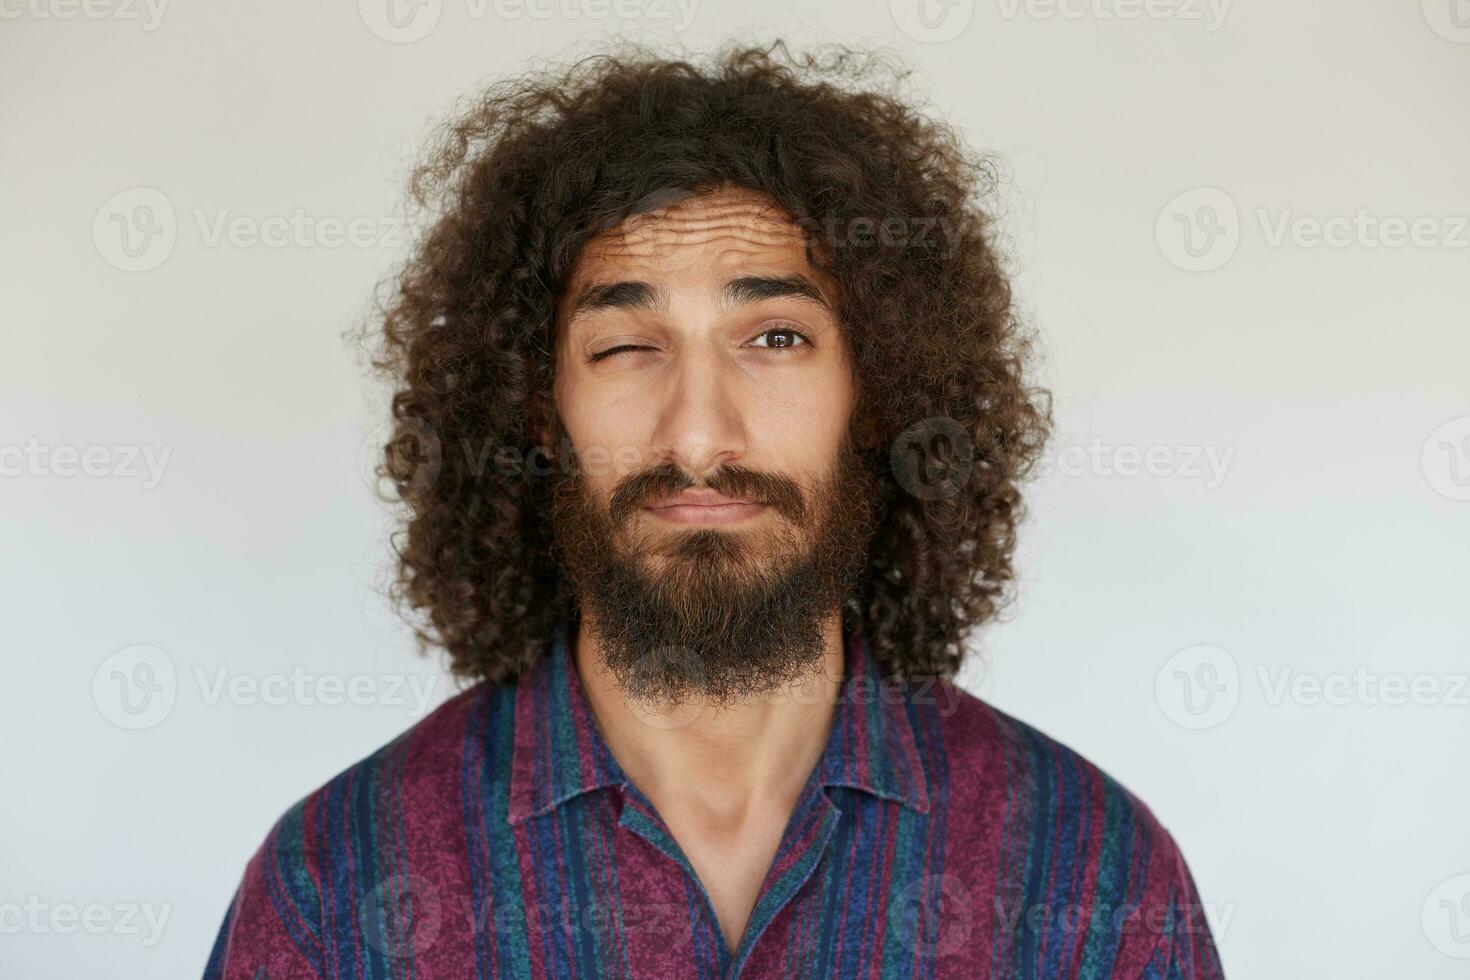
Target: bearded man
<point>711,418</point>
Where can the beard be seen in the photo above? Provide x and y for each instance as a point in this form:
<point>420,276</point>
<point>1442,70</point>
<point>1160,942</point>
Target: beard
<point>707,613</point>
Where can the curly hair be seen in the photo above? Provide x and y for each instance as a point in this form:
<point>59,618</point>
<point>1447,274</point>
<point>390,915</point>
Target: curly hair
<point>519,179</point>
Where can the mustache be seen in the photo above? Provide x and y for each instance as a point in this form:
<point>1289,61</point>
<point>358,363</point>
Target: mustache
<point>733,480</point>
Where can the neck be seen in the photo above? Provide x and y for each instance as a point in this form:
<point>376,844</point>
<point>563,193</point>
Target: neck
<point>727,764</point>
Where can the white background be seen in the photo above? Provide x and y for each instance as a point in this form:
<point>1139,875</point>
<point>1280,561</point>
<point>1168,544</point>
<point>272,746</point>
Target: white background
<point>1326,832</point>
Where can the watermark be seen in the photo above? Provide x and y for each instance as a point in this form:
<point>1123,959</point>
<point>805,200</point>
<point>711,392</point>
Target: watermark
<point>1209,13</point>
<point>860,690</point>
<point>405,454</point>
<point>939,234</point>
<point>1364,687</point>
<point>299,229</point>
<point>867,689</point>
<point>932,21</point>
<point>933,915</point>
<point>1121,919</point>
<point>1198,687</point>
<point>148,14</point>
<point>300,687</point>
<point>136,230</point>
<point>1205,463</point>
<point>1445,459</point>
<point>1363,229</point>
<point>37,917</point>
<point>1200,229</point>
<point>120,462</point>
<point>403,915</point>
<point>405,458</point>
<point>1445,917</point>
<point>406,21</point>
<point>1201,686</point>
<point>1450,19</point>
<point>138,687</point>
<point>932,458</point>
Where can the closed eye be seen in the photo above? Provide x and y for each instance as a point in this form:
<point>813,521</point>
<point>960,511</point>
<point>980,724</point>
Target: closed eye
<point>600,355</point>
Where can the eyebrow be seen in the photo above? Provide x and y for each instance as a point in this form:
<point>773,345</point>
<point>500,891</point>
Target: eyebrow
<point>636,295</point>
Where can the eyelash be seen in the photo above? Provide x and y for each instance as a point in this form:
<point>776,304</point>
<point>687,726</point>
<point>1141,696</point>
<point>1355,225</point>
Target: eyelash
<point>600,355</point>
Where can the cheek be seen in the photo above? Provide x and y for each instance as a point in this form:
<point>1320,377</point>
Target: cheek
<point>809,411</point>
<point>607,441</point>
<point>583,413</point>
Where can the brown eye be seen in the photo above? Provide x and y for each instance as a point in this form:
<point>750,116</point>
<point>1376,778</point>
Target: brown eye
<point>790,334</point>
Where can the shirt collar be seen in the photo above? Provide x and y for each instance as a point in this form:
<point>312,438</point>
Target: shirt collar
<point>560,752</point>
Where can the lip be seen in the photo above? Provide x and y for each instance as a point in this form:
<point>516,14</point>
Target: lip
<point>704,507</point>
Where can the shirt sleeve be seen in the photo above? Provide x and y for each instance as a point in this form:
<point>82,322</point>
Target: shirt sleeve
<point>1186,947</point>
<point>272,930</point>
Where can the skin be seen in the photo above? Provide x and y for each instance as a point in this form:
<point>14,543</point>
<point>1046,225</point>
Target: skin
<point>703,378</point>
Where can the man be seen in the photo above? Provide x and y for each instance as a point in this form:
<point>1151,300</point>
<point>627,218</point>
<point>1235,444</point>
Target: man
<point>711,419</point>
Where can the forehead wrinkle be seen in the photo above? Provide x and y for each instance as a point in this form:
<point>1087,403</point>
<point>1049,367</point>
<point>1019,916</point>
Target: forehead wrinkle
<point>734,231</point>
<point>704,222</point>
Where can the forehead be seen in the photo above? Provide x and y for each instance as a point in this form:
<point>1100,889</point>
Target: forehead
<point>699,236</point>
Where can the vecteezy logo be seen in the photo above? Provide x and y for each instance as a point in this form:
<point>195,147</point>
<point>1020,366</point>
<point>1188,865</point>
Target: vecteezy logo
<point>932,458</point>
<point>1445,459</point>
<point>135,687</point>
<point>932,915</point>
<point>1450,19</point>
<point>401,916</point>
<point>932,21</point>
<point>1198,687</point>
<point>1199,229</point>
<point>409,454</point>
<point>1446,917</point>
<point>400,21</point>
<point>135,230</point>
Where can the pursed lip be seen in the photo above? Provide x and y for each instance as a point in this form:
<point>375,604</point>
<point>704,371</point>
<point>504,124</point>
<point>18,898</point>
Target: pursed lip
<point>697,497</point>
<point>704,506</point>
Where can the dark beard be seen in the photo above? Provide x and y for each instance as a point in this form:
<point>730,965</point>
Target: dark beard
<point>729,615</point>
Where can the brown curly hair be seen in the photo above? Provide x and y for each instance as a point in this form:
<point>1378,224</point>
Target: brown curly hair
<point>516,183</point>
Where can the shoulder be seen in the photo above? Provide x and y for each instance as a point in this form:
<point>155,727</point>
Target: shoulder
<point>346,842</point>
<point>985,754</point>
<point>1061,838</point>
<point>414,784</point>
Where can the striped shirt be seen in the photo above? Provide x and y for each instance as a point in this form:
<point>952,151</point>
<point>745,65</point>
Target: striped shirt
<point>498,837</point>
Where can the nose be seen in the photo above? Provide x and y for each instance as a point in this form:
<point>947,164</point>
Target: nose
<point>700,422</point>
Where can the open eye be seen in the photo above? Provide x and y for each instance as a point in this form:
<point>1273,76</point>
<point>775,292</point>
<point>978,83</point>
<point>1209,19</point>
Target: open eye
<point>791,334</point>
